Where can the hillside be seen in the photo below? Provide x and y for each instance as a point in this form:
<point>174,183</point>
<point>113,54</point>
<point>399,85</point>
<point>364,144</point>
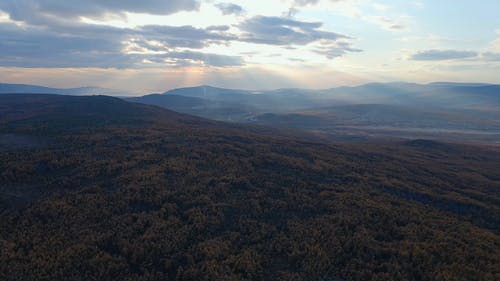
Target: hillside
<point>97,188</point>
<point>6,88</point>
<point>202,107</point>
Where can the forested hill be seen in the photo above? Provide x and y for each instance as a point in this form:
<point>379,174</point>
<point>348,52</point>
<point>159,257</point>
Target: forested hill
<point>96,188</point>
<point>6,88</point>
<point>47,109</point>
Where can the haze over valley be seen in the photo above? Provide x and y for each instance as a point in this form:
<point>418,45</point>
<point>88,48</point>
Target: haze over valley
<point>371,111</point>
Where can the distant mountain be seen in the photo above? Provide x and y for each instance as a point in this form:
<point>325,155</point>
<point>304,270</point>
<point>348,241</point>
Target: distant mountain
<point>229,104</point>
<point>202,107</point>
<point>281,100</point>
<point>448,95</point>
<point>458,84</point>
<point>33,89</point>
<point>171,100</point>
<point>436,95</point>
<point>207,92</point>
<point>437,106</point>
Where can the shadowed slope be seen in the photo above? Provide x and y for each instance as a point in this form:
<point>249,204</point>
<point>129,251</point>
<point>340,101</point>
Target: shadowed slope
<point>149,194</point>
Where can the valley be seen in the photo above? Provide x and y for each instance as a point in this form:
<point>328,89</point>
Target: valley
<point>441,111</point>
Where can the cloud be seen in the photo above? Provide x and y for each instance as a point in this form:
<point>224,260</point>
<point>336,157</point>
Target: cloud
<point>108,47</point>
<point>26,10</point>
<point>301,3</point>
<point>284,31</point>
<point>36,35</point>
<point>218,28</point>
<point>431,38</point>
<point>437,55</point>
<point>494,46</point>
<point>384,15</point>
<point>297,60</point>
<point>90,45</point>
<point>38,47</point>
<point>229,8</point>
<point>388,23</point>
<point>490,56</point>
<point>305,2</point>
<point>43,40</point>
<point>206,59</point>
<point>419,4</point>
<point>333,50</point>
<point>185,36</point>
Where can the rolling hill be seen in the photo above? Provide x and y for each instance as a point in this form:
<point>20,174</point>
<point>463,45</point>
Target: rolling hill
<point>104,189</point>
<point>33,89</point>
<point>202,107</point>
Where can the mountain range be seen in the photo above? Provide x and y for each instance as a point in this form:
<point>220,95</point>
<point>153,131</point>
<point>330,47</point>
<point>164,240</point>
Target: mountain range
<point>445,111</point>
<point>437,110</point>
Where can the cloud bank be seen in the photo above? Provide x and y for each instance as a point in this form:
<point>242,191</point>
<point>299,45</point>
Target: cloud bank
<point>50,33</point>
<point>24,10</point>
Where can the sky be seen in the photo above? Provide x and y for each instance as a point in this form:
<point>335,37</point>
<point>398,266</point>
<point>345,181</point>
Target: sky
<point>155,45</point>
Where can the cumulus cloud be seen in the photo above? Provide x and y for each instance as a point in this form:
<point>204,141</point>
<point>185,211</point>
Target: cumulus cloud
<point>436,55</point>
<point>229,8</point>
